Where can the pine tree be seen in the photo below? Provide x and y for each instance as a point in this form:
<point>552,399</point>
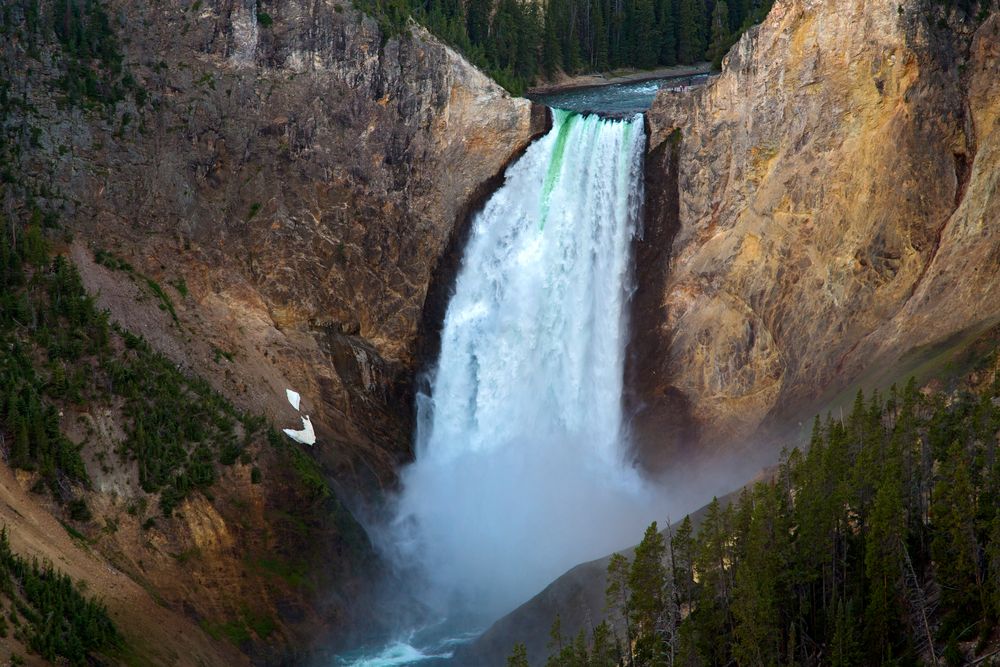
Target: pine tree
<point>993,558</point>
<point>884,539</point>
<point>690,47</point>
<point>667,28</point>
<point>518,657</point>
<point>551,49</point>
<point>845,648</point>
<point>478,20</point>
<point>647,586</point>
<point>601,59</point>
<point>713,561</point>
<point>604,653</point>
<point>955,547</point>
<point>682,560</point>
<point>617,596</point>
<point>758,598</point>
<point>720,33</point>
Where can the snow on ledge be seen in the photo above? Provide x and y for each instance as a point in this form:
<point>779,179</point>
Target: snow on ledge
<point>307,436</point>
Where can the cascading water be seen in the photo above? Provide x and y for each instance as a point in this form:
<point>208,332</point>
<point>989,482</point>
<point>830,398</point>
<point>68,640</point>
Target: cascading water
<point>519,470</point>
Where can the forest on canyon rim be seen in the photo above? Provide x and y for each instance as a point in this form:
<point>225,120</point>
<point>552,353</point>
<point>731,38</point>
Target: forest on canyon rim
<point>522,42</point>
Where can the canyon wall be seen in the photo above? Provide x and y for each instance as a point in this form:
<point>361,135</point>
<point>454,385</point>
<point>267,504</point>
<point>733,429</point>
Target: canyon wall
<point>836,208</point>
<point>285,183</point>
<point>304,173</point>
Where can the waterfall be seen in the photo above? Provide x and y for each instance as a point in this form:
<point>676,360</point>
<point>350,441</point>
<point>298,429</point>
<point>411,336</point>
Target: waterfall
<point>520,470</point>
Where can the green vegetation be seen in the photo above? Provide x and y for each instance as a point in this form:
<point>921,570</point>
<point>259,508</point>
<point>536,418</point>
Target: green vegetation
<point>520,41</point>
<point>94,69</point>
<point>181,286</point>
<point>879,541</point>
<point>177,427</point>
<point>52,617</point>
<point>71,48</point>
<point>294,573</point>
<point>238,631</point>
<point>47,324</point>
<point>105,258</point>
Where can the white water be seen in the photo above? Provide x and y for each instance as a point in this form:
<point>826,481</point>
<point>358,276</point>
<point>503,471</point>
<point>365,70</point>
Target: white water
<point>520,470</point>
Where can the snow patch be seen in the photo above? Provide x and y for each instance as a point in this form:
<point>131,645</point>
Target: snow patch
<point>293,397</point>
<point>307,436</point>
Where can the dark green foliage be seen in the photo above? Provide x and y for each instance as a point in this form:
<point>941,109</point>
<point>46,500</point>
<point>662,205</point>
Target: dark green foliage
<point>45,311</point>
<point>519,41</point>
<point>78,510</point>
<point>105,258</point>
<point>518,657</point>
<point>62,350</point>
<point>181,286</point>
<point>830,562</point>
<point>59,622</point>
<point>179,425</point>
<point>94,71</point>
<point>647,581</point>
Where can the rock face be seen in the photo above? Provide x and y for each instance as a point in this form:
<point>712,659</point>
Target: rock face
<point>296,182</point>
<point>836,206</point>
<point>307,171</point>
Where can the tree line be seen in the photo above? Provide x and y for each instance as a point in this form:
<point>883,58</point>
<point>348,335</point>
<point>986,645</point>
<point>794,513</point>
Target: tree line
<point>878,544</point>
<point>48,612</point>
<point>60,350</point>
<point>521,42</point>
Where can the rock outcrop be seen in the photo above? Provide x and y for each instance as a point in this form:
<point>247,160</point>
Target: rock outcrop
<point>835,209</point>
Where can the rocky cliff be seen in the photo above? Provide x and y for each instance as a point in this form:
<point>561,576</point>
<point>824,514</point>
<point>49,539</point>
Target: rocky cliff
<point>280,186</point>
<point>826,207</point>
<point>303,173</point>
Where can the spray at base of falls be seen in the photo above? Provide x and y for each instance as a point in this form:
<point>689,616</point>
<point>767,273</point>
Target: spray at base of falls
<point>520,467</point>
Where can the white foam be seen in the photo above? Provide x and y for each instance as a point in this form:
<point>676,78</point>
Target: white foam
<point>519,470</point>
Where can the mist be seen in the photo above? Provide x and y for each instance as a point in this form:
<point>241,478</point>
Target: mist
<point>493,528</point>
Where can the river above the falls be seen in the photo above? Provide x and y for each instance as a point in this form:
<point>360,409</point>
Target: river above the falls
<point>618,100</point>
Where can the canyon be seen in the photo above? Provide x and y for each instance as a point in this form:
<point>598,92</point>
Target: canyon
<point>820,214</point>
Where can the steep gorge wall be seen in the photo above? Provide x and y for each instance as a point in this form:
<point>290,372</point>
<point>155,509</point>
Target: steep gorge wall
<point>304,177</point>
<point>304,174</point>
<point>837,208</point>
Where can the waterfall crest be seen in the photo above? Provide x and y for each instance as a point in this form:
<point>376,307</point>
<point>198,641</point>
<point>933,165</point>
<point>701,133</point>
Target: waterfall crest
<point>519,469</point>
